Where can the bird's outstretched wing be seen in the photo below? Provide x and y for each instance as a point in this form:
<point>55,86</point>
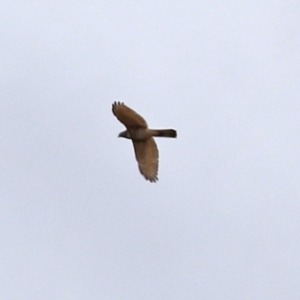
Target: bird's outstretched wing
<point>146,154</point>
<point>128,116</point>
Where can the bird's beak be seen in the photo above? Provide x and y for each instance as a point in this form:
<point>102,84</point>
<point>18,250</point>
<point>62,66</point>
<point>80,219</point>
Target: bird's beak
<point>122,134</point>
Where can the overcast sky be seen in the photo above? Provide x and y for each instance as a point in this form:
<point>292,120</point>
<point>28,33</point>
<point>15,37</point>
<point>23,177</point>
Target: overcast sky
<point>78,221</point>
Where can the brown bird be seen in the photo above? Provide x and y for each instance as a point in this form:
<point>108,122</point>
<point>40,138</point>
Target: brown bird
<point>145,148</point>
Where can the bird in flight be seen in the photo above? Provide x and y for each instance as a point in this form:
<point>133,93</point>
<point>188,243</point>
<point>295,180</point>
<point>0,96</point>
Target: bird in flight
<point>146,152</point>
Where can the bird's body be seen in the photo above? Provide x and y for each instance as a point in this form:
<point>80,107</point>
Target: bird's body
<point>145,148</point>
<point>141,134</point>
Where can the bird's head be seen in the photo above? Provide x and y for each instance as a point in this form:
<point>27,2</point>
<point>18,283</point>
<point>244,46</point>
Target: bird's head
<point>125,134</point>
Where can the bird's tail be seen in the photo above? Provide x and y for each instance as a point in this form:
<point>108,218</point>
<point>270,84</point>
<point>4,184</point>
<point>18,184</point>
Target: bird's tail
<point>165,133</point>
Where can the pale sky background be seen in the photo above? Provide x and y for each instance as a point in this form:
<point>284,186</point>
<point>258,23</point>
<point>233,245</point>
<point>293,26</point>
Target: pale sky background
<point>78,221</point>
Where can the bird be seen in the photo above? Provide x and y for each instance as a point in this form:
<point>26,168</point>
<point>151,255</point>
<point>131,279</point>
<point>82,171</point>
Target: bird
<point>145,148</point>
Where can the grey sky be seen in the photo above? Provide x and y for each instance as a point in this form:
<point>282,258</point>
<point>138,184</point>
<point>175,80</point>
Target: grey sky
<point>77,219</point>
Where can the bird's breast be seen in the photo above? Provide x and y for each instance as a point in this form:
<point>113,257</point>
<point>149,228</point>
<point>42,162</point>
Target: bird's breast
<point>139,134</point>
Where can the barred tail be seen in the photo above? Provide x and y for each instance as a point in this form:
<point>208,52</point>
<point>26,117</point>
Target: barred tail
<point>165,133</point>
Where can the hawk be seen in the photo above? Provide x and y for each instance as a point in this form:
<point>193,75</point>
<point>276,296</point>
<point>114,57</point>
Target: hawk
<point>146,152</point>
